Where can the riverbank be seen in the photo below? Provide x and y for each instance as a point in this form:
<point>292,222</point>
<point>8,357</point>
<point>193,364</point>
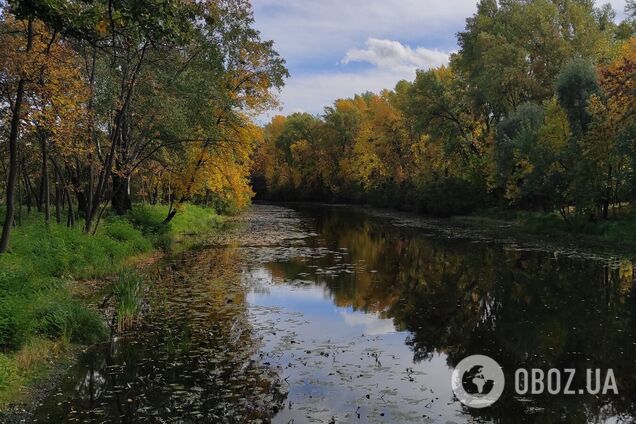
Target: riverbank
<point>54,279</point>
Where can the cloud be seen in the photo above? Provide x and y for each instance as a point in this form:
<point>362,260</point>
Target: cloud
<point>315,30</point>
<point>371,324</point>
<point>388,54</point>
<point>312,92</point>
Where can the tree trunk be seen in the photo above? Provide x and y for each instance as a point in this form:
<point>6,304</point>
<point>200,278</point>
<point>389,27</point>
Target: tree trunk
<point>19,202</point>
<point>70,220</point>
<point>608,194</point>
<point>13,153</point>
<point>46,186</point>
<point>82,202</point>
<point>58,198</point>
<point>171,215</point>
<point>27,188</point>
<point>121,194</point>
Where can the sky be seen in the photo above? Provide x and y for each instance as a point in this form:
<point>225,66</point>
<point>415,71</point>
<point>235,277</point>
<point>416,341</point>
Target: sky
<point>337,48</point>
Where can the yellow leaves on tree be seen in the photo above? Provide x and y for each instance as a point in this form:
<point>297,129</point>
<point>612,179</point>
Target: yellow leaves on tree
<point>221,166</point>
<point>56,90</point>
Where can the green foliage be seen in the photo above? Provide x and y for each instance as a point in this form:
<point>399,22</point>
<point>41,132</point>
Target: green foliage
<point>616,230</point>
<point>123,232</point>
<point>33,278</point>
<point>190,220</point>
<point>68,319</point>
<point>576,83</point>
<point>128,294</point>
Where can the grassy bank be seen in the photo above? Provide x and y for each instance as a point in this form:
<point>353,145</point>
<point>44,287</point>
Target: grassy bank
<point>39,317</point>
<point>617,229</point>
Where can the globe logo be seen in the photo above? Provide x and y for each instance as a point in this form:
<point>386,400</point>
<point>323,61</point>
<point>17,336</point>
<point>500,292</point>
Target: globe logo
<point>478,381</point>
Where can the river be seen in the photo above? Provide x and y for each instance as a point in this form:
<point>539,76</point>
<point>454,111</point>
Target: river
<point>337,315</point>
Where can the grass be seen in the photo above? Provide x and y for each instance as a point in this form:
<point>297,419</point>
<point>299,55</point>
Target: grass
<point>620,229</point>
<point>37,307</point>
<point>19,369</point>
<point>191,221</point>
<point>614,230</point>
<point>129,295</point>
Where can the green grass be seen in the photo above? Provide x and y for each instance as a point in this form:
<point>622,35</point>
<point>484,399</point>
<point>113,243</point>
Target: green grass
<point>129,296</point>
<point>615,230</point>
<point>34,277</point>
<point>620,228</point>
<point>36,303</point>
<point>191,220</point>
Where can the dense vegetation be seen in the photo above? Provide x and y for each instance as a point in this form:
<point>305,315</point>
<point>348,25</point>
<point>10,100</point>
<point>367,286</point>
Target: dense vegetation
<point>536,111</point>
<point>102,102</point>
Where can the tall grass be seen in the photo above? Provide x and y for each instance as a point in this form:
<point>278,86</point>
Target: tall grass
<point>129,296</point>
<point>34,277</point>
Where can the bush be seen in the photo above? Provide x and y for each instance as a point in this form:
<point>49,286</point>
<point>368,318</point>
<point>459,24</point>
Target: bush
<point>33,275</point>
<point>123,231</point>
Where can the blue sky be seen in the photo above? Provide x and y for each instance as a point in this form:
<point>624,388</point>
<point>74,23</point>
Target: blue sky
<point>337,48</point>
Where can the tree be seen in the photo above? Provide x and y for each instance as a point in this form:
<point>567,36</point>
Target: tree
<point>15,76</point>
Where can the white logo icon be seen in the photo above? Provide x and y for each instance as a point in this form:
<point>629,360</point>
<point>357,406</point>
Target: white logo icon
<point>478,381</point>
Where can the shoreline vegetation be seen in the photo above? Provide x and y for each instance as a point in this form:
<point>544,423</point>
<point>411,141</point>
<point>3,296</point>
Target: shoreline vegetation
<point>56,280</point>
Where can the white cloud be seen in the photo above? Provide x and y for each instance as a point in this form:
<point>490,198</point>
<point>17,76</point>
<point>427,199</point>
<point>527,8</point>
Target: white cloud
<point>388,54</point>
<point>371,324</point>
<point>312,92</point>
<point>313,28</point>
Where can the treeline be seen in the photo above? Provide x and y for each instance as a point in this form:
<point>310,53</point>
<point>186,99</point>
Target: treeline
<point>536,111</point>
<point>105,100</point>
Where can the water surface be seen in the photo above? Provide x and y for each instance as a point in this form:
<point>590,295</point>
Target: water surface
<point>333,315</point>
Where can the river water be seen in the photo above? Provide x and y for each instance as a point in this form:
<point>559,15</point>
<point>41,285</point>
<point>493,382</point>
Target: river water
<point>336,315</point>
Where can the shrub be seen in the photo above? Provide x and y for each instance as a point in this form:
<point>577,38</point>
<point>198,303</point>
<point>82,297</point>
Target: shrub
<point>123,232</point>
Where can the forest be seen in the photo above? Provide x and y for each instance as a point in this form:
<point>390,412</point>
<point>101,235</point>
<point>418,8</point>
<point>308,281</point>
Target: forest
<point>106,102</point>
<point>536,111</point>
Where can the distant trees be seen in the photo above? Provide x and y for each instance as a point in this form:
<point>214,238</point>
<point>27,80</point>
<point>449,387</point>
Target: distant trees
<point>535,111</point>
<point>98,95</point>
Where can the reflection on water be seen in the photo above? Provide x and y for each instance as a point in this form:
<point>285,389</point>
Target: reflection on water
<point>192,360</point>
<point>359,320</point>
<point>419,304</point>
